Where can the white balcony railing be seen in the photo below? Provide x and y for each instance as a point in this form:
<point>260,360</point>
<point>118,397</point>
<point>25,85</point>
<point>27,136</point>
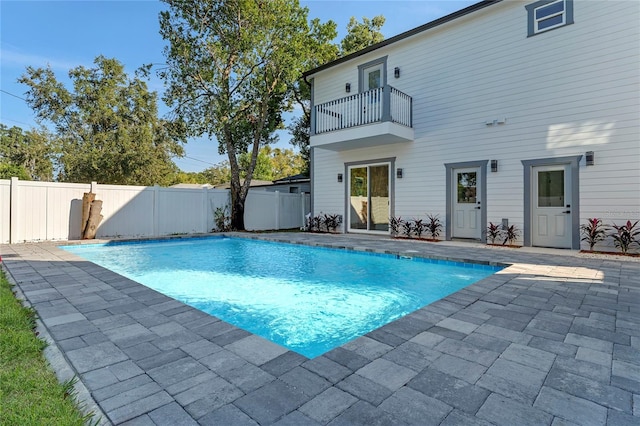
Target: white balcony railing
<point>374,106</point>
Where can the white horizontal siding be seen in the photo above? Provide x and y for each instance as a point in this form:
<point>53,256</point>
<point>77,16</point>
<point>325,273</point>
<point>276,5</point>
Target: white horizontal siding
<point>570,90</point>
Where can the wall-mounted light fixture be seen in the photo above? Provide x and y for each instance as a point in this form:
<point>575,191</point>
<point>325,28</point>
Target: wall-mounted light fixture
<point>347,87</point>
<point>590,157</point>
<point>495,122</point>
<point>399,173</point>
<point>396,72</point>
<point>494,165</point>
<point>339,177</point>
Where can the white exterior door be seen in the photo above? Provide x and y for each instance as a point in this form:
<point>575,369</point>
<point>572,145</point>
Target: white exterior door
<point>467,205</point>
<point>551,206</point>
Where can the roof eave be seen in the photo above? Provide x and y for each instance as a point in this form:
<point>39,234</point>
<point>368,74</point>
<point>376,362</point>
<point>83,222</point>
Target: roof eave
<point>429,25</point>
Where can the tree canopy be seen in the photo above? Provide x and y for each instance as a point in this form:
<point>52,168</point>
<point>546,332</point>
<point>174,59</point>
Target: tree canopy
<point>362,34</point>
<point>27,155</point>
<point>230,68</point>
<point>107,126</point>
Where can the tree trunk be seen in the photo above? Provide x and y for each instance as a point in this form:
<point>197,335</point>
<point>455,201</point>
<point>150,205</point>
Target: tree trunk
<point>87,199</point>
<point>94,220</point>
<point>237,211</point>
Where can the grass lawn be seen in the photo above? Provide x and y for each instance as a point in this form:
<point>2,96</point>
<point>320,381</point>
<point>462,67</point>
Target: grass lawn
<point>30,394</point>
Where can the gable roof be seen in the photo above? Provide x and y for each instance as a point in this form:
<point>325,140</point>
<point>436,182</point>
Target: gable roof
<point>406,34</point>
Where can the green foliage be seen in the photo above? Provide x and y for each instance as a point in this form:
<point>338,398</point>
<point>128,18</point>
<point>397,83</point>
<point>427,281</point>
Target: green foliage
<point>218,174</point>
<point>29,391</point>
<point>362,34</point>
<point>221,219</point>
<point>108,125</point>
<point>262,168</point>
<point>230,68</point>
<point>31,152</point>
<point>8,170</point>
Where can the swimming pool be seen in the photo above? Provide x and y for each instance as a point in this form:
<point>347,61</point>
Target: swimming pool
<point>307,299</point>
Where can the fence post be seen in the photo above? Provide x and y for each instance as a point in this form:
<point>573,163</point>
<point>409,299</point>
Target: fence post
<point>277,210</point>
<point>156,211</point>
<point>302,210</point>
<point>13,211</point>
<point>205,212</point>
<point>94,187</point>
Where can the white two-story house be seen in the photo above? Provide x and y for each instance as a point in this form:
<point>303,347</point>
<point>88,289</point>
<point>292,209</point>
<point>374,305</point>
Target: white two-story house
<point>525,112</point>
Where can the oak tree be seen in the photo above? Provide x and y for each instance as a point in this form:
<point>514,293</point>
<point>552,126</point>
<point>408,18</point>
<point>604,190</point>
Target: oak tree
<point>230,68</point>
<point>107,125</point>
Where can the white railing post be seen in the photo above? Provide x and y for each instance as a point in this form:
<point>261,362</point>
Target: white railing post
<point>376,105</point>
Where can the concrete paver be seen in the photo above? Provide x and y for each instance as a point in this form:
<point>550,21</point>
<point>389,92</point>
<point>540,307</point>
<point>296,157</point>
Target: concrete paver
<point>554,338</point>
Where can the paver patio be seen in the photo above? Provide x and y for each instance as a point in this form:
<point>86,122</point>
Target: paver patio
<point>553,339</point>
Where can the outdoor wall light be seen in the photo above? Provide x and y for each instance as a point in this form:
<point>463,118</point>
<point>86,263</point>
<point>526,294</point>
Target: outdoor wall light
<point>339,177</point>
<point>399,173</point>
<point>494,165</point>
<point>347,87</point>
<point>396,72</point>
<point>590,157</point>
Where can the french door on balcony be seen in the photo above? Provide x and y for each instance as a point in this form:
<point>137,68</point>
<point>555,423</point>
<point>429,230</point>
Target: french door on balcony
<point>372,97</point>
<point>368,206</point>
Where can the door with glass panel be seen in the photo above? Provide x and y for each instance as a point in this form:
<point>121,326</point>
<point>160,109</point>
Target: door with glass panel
<point>467,203</point>
<point>372,96</point>
<point>551,206</point>
<point>368,205</point>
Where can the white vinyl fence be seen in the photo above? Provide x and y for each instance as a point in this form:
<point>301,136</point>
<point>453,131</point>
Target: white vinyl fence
<point>39,211</point>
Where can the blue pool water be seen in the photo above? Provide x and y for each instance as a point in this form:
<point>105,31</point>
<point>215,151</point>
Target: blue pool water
<point>309,300</point>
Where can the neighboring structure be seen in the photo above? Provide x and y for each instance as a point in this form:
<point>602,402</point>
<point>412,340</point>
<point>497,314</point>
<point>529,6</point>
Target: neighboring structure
<point>296,184</point>
<point>193,186</point>
<point>252,184</point>
<point>526,112</point>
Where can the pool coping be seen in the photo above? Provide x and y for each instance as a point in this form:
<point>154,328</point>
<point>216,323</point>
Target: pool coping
<point>373,360</point>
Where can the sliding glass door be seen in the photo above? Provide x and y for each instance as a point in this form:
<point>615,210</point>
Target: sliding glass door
<point>369,197</point>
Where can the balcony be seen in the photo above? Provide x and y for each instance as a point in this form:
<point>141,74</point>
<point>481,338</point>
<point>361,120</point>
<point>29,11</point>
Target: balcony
<point>380,116</point>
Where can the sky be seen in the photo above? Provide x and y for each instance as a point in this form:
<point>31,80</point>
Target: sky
<point>67,34</point>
